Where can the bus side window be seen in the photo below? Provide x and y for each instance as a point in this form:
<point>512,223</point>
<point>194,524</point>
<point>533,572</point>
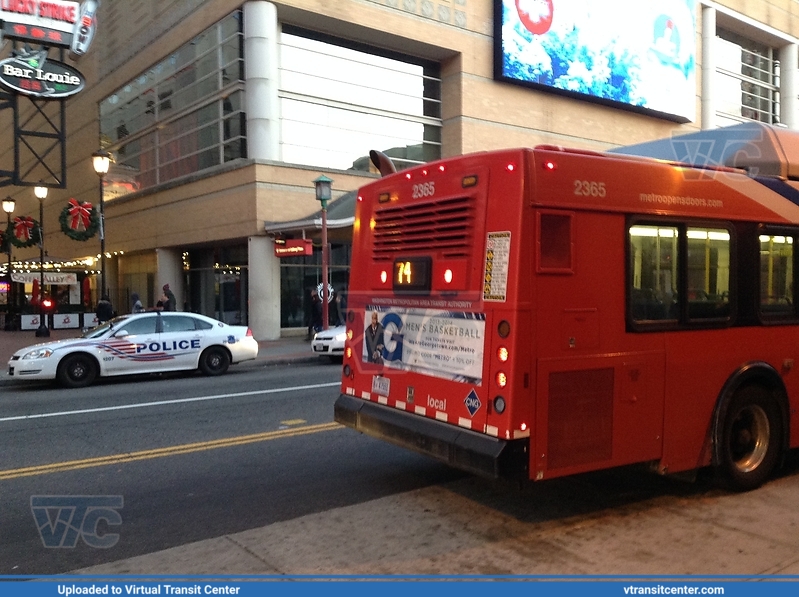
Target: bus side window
<point>708,273</point>
<point>776,276</point>
<point>653,267</point>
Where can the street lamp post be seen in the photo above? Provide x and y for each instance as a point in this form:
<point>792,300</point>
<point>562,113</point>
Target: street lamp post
<point>42,331</point>
<point>8,207</point>
<point>323,186</point>
<point>101,160</point>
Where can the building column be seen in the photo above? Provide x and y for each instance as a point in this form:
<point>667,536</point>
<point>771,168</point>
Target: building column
<point>264,288</point>
<point>789,86</point>
<point>170,271</point>
<point>115,286</point>
<point>261,75</point>
<point>708,68</point>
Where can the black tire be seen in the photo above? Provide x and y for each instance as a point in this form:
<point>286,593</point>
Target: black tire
<point>750,438</point>
<point>77,371</point>
<point>214,361</point>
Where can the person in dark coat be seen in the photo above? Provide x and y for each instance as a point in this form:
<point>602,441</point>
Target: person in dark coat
<point>104,309</point>
<point>171,302</point>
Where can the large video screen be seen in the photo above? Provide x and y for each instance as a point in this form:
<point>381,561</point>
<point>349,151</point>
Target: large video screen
<point>636,54</point>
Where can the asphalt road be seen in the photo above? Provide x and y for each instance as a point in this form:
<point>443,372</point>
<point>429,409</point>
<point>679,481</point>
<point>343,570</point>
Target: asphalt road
<point>246,474</point>
<point>190,457</point>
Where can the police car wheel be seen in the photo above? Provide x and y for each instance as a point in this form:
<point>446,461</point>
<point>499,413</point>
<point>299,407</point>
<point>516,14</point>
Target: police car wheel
<point>214,361</point>
<point>76,371</point>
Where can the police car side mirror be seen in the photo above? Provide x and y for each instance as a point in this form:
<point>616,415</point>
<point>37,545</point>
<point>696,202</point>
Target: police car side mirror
<point>121,334</point>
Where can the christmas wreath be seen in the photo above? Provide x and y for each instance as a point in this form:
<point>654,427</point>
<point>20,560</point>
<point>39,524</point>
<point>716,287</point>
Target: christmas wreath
<point>79,220</point>
<point>25,232</point>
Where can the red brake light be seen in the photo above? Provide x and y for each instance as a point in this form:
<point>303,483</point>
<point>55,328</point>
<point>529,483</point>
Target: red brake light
<point>550,165</point>
<point>502,379</point>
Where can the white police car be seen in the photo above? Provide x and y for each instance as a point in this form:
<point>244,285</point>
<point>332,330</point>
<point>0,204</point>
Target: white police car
<point>151,342</point>
<point>330,342</point>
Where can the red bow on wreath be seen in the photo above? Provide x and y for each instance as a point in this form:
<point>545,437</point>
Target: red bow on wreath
<point>22,228</point>
<point>80,215</point>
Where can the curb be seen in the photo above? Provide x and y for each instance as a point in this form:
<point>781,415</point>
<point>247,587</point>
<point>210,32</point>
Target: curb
<point>269,361</point>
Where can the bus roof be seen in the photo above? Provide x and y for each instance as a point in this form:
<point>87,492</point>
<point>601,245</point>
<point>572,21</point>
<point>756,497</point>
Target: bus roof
<point>759,148</point>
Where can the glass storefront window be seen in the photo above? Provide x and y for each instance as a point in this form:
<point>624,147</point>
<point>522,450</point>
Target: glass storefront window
<point>299,275</point>
<point>183,115</point>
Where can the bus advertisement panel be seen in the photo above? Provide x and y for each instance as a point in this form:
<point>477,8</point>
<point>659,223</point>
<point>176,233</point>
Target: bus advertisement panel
<point>445,344</point>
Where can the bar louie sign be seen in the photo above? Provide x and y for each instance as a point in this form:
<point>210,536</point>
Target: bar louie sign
<point>50,23</point>
<point>33,74</point>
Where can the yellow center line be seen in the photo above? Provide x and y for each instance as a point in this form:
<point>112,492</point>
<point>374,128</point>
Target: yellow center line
<point>70,465</point>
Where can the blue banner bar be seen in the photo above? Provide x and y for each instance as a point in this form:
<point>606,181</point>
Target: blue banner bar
<point>347,586</point>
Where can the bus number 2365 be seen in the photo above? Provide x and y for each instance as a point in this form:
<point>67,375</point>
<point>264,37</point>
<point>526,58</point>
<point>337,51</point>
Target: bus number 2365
<point>589,188</point>
<point>427,189</point>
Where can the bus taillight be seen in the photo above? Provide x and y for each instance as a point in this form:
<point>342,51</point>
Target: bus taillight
<point>502,354</point>
<point>550,165</point>
<point>383,276</point>
<point>448,276</point>
<point>502,379</point>
<point>503,329</point>
<point>499,404</point>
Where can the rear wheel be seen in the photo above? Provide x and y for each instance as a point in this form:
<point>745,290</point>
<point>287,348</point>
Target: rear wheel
<point>76,371</point>
<point>750,439</point>
<point>214,361</point>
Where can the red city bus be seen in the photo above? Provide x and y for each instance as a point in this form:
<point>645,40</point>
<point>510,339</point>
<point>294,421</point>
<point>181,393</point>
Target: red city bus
<point>534,313</point>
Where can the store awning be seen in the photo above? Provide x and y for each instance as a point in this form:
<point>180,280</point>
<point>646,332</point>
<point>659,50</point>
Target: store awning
<point>340,214</point>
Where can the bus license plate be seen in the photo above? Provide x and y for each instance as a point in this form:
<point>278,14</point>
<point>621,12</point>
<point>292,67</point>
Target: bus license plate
<point>381,385</point>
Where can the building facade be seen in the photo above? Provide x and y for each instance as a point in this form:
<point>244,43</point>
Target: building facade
<point>220,115</point>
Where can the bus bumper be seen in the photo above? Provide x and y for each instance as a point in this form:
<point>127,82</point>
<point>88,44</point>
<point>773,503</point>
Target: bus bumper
<point>460,448</point>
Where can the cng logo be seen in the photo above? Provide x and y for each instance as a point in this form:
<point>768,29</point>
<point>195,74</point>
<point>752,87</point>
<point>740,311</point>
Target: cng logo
<point>472,402</point>
<point>62,519</point>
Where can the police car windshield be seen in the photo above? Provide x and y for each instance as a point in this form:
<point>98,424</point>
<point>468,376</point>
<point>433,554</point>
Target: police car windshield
<point>102,329</point>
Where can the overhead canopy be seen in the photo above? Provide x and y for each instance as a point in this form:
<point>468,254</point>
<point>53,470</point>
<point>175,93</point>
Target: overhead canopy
<point>761,149</point>
<point>340,214</point>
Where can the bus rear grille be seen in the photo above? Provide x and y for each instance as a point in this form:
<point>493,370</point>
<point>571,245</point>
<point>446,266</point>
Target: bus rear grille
<point>444,225</point>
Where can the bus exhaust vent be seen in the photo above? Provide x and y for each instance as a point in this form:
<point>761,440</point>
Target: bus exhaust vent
<point>443,225</point>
